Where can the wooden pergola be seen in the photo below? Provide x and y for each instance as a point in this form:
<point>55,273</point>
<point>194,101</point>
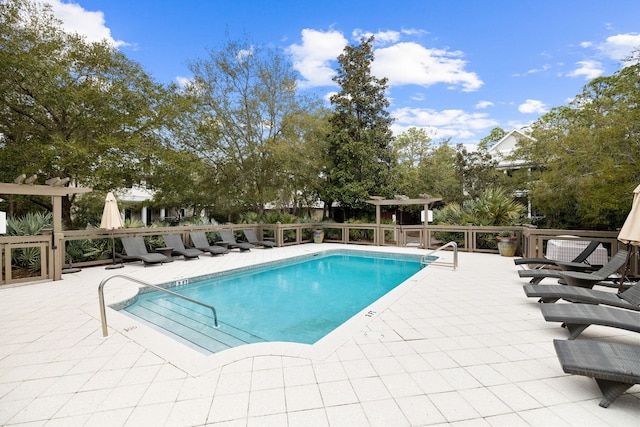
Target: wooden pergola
<point>56,190</point>
<point>424,200</point>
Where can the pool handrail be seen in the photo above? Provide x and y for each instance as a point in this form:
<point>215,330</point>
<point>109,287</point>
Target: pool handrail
<point>103,313</point>
<point>424,262</point>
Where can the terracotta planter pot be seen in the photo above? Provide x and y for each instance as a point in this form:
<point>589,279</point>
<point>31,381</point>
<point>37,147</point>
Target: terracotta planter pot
<point>507,247</point>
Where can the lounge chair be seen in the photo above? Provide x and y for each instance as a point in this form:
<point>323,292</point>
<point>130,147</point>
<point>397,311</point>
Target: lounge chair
<point>230,241</point>
<point>200,241</point>
<point>581,258</point>
<point>629,299</point>
<point>175,241</point>
<point>578,317</point>
<point>253,239</point>
<point>135,249</point>
<point>614,366</point>
<point>578,278</point>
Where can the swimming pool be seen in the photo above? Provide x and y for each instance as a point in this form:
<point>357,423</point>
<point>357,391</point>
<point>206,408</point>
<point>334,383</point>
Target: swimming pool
<point>295,301</point>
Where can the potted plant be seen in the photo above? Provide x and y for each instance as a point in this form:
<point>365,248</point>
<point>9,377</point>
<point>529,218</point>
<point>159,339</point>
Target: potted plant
<point>507,243</point>
<point>318,234</point>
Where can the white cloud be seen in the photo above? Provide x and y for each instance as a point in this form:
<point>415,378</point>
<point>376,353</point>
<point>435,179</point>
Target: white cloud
<point>312,59</point>
<point>545,67</point>
<point>620,46</point>
<point>89,24</point>
<point>403,63</point>
<point>410,63</point>
<point>484,104</point>
<point>588,69</point>
<point>413,32</point>
<point>586,44</point>
<point>446,123</point>
<point>381,37</point>
<point>532,106</point>
<point>184,82</point>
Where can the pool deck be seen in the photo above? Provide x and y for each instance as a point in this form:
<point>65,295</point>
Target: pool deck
<point>447,347</point>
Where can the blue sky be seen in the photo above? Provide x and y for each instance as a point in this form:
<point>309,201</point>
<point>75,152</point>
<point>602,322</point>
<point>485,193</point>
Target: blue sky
<point>455,68</point>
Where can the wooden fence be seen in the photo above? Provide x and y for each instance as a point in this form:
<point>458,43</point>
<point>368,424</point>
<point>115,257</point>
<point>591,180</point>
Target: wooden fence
<point>532,242</point>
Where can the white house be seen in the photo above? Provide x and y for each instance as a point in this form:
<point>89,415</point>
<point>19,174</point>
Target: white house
<point>139,200</point>
<point>505,147</point>
<point>500,152</point>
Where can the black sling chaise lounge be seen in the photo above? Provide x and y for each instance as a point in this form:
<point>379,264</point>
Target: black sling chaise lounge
<point>230,241</point>
<point>579,278</point>
<point>135,249</point>
<point>581,258</point>
<point>614,366</point>
<point>578,317</point>
<point>629,299</point>
<point>199,240</point>
<point>175,241</point>
<point>253,239</point>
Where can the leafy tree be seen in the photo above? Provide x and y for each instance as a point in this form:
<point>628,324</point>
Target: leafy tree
<point>438,175</point>
<point>477,170</point>
<point>412,148</point>
<point>586,155</point>
<point>361,158</point>
<point>490,140</point>
<point>71,108</point>
<point>302,161</point>
<point>246,125</point>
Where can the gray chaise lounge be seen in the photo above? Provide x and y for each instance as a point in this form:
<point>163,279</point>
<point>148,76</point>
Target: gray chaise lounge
<point>615,367</point>
<point>200,241</point>
<point>581,258</point>
<point>578,278</point>
<point>629,299</point>
<point>578,317</point>
<point>135,249</point>
<point>230,241</point>
<point>253,239</point>
<point>175,241</point>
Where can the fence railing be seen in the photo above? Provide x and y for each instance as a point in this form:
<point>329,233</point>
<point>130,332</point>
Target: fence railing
<point>532,242</point>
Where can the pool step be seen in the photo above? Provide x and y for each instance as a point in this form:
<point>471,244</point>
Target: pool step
<point>194,324</point>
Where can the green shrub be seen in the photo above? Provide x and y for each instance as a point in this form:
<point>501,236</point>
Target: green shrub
<point>31,224</point>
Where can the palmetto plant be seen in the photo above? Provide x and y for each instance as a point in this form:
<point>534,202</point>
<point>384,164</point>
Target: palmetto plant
<point>494,207</point>
<point>29,225</point>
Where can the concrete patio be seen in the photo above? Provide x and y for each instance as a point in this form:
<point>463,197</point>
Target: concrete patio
<point>447,347</point>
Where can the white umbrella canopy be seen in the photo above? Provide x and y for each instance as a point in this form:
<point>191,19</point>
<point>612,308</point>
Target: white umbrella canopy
<point>111,220</point>
<point>110,215</point>
<point>630,231</point>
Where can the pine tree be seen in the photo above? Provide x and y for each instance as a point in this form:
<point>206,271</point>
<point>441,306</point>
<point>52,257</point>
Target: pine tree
<point>360,153</point>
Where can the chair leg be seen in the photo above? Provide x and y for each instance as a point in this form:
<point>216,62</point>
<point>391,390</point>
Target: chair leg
<point>574,329</point>
<point>611,390</point>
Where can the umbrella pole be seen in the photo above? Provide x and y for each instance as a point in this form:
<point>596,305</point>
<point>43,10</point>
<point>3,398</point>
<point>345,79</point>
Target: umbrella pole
<point>626,268</point>
<point>113,251</point>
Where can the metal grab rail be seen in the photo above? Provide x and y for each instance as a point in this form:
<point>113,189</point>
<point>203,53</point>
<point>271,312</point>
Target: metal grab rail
<point>454,264</point>
<point>103,313</point>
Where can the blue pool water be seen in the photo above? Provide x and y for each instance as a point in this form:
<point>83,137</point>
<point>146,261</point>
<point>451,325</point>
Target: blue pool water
<point>299,301</point>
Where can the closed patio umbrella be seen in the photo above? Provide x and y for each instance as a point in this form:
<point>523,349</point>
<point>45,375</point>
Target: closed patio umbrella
<point>630,231</point>
<point>110,221</point>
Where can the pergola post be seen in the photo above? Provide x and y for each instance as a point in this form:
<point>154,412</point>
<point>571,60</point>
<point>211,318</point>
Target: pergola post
<point>57,249</point>
<point>425,232</point>
<point>379,240</point>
